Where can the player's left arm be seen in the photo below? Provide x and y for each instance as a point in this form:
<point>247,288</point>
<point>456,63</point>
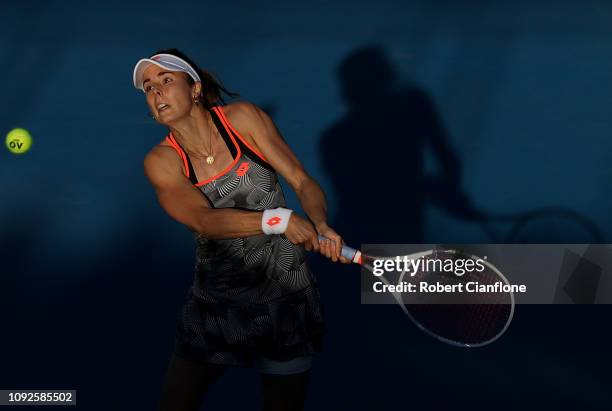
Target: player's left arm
<point>250,119</point>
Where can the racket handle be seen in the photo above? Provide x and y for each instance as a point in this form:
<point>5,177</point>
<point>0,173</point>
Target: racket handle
<point>347,252</point>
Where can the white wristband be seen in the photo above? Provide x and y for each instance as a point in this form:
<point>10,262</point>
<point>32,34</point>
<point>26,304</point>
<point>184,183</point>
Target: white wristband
<point>275,220</point>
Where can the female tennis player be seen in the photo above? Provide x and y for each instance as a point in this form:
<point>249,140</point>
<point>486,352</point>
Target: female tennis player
<point>254,301</point>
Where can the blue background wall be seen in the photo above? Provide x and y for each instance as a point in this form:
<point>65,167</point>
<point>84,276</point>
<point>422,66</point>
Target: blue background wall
<point>505,103</point>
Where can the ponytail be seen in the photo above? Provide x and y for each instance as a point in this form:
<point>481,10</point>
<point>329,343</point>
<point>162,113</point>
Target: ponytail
<point>212,90</point>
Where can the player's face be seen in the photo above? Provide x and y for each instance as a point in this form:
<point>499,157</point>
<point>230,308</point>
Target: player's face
<point>169,95</point>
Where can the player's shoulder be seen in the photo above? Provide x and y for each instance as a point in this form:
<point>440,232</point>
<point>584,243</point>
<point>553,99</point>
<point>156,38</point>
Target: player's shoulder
<point>160,153</point>
<point>242,112</point>
<point>161,160</point>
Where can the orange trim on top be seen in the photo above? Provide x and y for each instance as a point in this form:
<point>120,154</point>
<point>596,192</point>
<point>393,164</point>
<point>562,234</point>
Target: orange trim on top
<point>228,168</point>
<point>174,144</point>
<point>226,121</point>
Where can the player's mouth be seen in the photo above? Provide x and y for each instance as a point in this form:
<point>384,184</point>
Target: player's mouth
<point>161,107</point>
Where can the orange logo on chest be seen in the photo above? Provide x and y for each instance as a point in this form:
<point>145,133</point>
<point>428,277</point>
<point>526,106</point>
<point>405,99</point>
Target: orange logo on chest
<point>242,169</point>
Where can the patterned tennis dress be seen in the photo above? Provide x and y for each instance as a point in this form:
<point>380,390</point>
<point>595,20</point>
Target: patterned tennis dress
<point>251,296</point>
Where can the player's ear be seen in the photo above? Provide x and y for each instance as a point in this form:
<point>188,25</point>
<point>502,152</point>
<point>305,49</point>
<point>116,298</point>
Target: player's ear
<point>196,89</point>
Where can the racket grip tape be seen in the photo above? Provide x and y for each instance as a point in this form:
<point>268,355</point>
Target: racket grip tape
<point>347,252</point>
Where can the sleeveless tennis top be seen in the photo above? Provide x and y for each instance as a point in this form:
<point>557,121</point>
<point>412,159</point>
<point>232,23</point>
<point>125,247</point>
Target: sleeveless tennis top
<point>251,296</point>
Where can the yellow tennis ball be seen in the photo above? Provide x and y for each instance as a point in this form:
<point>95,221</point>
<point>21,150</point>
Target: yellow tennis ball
<point>18,141</point>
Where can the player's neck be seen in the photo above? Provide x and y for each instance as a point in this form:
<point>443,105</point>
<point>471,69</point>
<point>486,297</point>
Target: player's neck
<point>193,132</point>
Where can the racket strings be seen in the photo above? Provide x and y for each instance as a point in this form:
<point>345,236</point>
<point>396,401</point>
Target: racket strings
<point>463,324</point>
<point>471,319</point>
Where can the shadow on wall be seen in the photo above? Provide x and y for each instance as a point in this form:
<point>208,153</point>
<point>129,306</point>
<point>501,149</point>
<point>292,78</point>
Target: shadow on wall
<point>375,157</point>
<point>375,154</point>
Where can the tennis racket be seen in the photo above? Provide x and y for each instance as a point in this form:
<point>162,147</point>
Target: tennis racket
<point>471,319</point>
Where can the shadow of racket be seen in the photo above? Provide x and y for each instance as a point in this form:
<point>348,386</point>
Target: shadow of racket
<point>546,225</point>
<point>551,225</point>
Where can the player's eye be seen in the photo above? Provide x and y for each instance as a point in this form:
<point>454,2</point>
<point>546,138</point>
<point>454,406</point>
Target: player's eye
<point>148,88</point>
<point>167,80</point>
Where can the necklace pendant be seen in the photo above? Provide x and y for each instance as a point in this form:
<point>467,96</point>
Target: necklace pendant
<point>210,159</point>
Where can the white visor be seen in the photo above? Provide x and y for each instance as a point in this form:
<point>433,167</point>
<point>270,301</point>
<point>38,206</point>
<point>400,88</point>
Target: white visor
<point>166,61</point>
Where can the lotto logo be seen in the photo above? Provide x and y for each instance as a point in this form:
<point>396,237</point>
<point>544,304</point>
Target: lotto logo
<point>242,169</point>
<point>274,220</point>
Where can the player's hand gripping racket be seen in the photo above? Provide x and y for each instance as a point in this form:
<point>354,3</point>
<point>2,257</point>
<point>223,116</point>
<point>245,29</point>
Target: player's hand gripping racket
<point>472,319</point>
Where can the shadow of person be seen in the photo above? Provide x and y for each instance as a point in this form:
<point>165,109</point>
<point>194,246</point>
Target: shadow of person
<point>375,158</point>
<point>374,155</point>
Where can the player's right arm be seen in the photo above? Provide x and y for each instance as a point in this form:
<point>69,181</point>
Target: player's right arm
<point>187,205</point>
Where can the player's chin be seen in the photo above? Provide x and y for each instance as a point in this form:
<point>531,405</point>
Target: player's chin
<point>167,117</point>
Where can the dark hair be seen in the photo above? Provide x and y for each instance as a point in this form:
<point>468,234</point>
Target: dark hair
<point>212,89</point>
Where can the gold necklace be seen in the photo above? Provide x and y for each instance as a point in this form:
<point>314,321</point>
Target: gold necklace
<point>210,158</point>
